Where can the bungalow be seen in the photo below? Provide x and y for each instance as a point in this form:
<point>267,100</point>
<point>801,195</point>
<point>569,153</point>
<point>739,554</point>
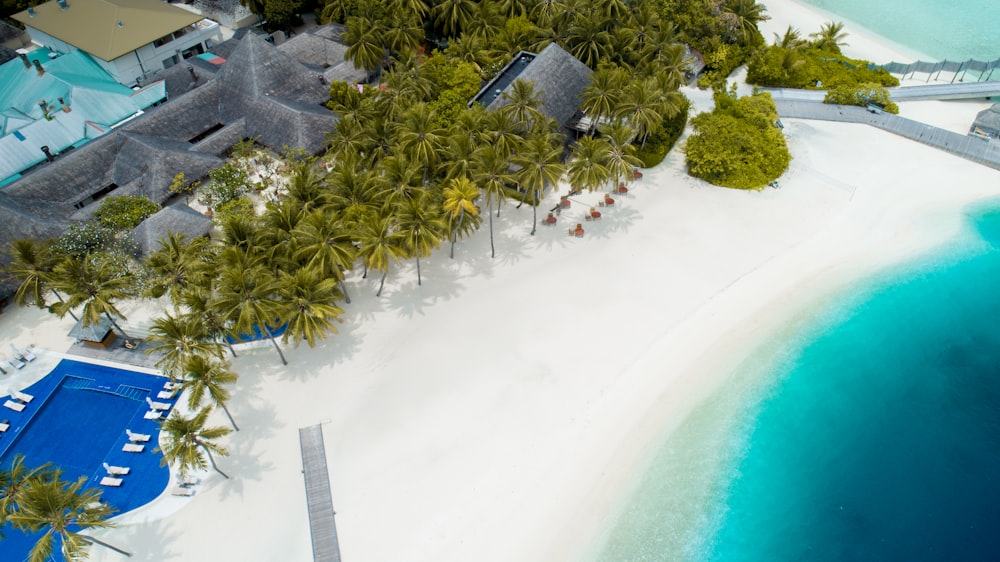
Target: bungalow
<point>559,79</point>
<point>130,39</point>
<point>987,123</point>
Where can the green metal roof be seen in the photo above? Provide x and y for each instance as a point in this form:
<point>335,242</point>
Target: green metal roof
<point>108,29</point>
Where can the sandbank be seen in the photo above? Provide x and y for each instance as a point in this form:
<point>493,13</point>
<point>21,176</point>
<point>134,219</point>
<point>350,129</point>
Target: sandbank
<point>502,410</point>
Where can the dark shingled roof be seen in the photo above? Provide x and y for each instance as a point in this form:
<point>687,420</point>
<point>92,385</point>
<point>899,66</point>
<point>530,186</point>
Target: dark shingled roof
<point>7,54</point>
<point>559,79</point>
<point>8,31</point>
<point>179,219</point>
<point>260,92</point>
<point>320,49</point>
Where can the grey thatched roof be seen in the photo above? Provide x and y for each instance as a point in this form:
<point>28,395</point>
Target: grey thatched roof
<point>559,79</point>
<point>988,119</point>
<point>93,333</point>
<point>179,219</point>
<point>278,121</point>
<point>147,165</point>
<point>320,49</point>
<point>7,54</point>
<point>8,31</point>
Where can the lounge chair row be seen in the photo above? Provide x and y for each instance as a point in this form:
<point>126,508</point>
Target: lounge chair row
<point>20,357</point>
<point>18,400</point>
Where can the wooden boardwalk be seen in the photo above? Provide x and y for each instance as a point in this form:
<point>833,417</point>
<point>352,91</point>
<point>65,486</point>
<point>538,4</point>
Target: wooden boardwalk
<point>971,148</point>
<point>322,527</point>
<point>963,90</point>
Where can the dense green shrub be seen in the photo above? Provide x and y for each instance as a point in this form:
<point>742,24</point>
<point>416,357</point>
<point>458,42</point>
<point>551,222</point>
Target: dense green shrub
<point>719,64</point>
<point>84,238</point>
<point>226,183</point>
<point>738,144</point>
<point>862,95</point>
<point>125,212</point>
<point>659,143</point>
<point>454,84</point>
<point>812,68</point>
<point>243,206</point>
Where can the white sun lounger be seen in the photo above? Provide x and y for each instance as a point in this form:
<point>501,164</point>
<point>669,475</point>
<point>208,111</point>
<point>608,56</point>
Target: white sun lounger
<point>16,406</point>
<point>166,394</point>
<point>171,385</point>
<point>23,354</point>
<point>136,437</point>
<point>4,427</point>
<point>133,448</point>
<point>18,395</point>
<point>152,415</point>
<point>157,405</point>
<point>116,470</point>
<point>15,362</point>
<point>181,491</point>
<point>111,481</point>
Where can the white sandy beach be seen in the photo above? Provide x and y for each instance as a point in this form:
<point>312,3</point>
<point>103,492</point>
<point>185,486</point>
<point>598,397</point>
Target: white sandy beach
<point>502,410</point>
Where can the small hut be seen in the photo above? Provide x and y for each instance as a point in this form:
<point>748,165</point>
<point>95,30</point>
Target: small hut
<point>179,219</point>
<point>987,123</point>
<point>99,335</point>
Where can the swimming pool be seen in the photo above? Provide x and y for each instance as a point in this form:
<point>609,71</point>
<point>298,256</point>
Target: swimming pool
<point>77,421</point>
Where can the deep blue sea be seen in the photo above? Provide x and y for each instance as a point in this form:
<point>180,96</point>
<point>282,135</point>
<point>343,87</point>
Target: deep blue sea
<point>867,429</point>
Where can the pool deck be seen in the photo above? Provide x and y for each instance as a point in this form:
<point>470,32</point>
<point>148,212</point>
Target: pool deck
<point>118,353</point>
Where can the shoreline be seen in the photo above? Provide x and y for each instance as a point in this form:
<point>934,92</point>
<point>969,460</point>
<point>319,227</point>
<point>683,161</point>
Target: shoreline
<point>504,409</point>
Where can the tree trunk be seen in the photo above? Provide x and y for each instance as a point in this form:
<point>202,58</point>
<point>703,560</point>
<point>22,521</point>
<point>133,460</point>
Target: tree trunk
<point>343,288</point>
<point>534,211</point>
<point>493,250</point>
<point>230,346</point>
<point>58,296</point>
<point>211,459</point>
<point>418,270</point>
<point>117,327</point>
<point>364,274</point>
<point>108,546</point>
<point>275,342</point>
<point>381,284</point>
<point>230,416</point>
<point>454,238</point>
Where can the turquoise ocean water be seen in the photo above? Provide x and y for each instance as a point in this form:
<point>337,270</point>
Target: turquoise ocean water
<point>868,427</point>
<point>952,30</point>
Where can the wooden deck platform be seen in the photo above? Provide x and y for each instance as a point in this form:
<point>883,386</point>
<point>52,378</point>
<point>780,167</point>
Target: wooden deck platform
<point>322,526</point>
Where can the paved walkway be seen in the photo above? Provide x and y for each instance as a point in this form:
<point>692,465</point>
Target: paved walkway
<point>322,527</point>
<point>971,148</point>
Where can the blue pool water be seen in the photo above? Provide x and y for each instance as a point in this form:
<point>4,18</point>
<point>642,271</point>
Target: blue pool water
<point>954,30</point>
<point>77,421</point>
<point>868,430</point>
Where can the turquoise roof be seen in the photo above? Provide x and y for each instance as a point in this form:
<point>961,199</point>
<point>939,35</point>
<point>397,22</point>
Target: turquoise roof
<point>92,95</point>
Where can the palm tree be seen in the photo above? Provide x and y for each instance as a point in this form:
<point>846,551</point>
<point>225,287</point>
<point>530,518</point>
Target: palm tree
<point>379,246</point>
<point>245,295</point>
<point>13,480</point>
<point>60,510</point>
<point>589,41</point>
<point>492,172</point>
<point>95,283</point>
<point>176,264</point>
<point>745,15</point>
<point>205,377</point>
<point>621,160</point>
<point>276,235</point>
<point>403,34</point>
<point>179,338</point>
<point>791,39</point>
<point>199,304</point>
<point>308,304</point>
<point>306,187</point>
<point>421,225</point>
<point>364,39</point>
<point>325,244</point>
<point>485,23</point>
<point>453,16</point>
<point>588,166</point>
<point>31,264</point>
<point>415,8</point>
<point>541,165</point>
<point>186,441</point>
<point>640,106</point>
<point>501,130</point>
<point>830,36</point>
<point>523,103</point>
<point>459,202</point>
<point>600,98</point>
<point>419,136</point>
<point>461,148</point>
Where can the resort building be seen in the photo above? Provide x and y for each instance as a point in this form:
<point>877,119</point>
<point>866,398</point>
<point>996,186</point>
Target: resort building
<point>559,79</point>
<point>131,39</point>
<point>51,103</point>
<point>259,92</point>
<point>12,37</point>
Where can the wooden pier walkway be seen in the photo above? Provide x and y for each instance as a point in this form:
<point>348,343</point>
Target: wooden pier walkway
<point>322,527</point>
<point>969,147</point>
<point>960,91</point>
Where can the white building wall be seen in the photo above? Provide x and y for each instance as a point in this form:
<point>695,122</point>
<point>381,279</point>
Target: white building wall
<point>146,61</point>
